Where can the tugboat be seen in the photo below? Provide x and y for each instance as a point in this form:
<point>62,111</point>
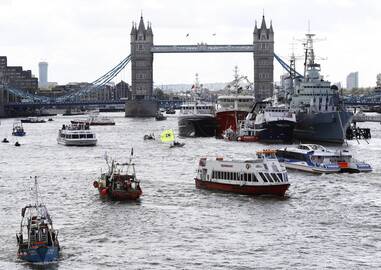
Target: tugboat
<point>119,182</point>
<point>37,240</point>
<point>261,176</point>
<point>18,129</point>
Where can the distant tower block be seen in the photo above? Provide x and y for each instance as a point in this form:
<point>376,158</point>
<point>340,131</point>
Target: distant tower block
<point>43,74</point>
<point>141,103</point>
<point>263,61</point>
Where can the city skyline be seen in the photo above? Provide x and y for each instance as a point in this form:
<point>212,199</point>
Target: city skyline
<point>81,41</point>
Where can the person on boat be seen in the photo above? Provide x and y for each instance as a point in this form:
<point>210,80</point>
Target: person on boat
<point>63,127</point>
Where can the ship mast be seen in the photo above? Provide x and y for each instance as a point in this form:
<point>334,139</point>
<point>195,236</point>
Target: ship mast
<point>36,190</point>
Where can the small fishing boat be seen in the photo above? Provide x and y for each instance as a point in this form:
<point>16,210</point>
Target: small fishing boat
<point>169,136</point>
<point>5,140</point>
<point>37,240</point>
<point>18,129</point>
<point>33,120</point>
<point>261,176</point>
<point>119,182</point>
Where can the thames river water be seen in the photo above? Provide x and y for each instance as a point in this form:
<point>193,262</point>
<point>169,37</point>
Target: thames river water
<point>327,221</point>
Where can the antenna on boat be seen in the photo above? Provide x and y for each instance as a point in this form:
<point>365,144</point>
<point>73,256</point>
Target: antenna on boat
<point>35,189</point>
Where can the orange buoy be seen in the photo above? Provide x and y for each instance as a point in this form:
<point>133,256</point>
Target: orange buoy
<point>95,184</point>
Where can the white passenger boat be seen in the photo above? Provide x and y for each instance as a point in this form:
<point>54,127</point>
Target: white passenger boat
<point>95,120</point>
<point>309,158</point>
<point>261,176</point>
<point>76,135</point>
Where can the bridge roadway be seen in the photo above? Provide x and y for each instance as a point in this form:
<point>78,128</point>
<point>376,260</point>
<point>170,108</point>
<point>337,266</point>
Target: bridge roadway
<point>203,48</point>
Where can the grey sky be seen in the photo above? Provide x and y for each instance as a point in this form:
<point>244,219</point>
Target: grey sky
<point>83,39</point>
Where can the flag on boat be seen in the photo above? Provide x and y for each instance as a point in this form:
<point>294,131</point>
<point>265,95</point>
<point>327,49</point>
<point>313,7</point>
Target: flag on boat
<point>167,136</point>
<point>132,151</point>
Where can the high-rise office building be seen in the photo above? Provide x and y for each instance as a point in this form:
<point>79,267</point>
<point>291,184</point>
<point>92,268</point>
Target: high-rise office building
<point>353,80</point>
<point>43,74</point>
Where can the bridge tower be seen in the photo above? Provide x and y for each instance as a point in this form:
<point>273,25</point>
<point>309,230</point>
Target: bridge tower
<point>263,61</point>
<point>142,103</point>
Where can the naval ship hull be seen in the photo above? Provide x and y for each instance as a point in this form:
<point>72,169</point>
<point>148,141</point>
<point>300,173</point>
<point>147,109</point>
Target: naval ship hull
<point>327,127</point>
<point>197,126</point>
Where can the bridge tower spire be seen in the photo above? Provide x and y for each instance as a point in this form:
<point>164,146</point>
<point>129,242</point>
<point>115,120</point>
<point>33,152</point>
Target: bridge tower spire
<point>141,103</point>
<point>263,60</point>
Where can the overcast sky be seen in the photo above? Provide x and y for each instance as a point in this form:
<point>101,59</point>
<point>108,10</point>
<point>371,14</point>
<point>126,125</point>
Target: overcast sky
<point>82,39</point>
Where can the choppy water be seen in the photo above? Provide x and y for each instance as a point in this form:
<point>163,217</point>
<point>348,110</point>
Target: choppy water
<point>328,221</point>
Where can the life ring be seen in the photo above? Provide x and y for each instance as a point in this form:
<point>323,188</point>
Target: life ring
<point>248,166</point>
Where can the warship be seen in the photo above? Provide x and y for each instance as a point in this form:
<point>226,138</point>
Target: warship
<point>320,113</point>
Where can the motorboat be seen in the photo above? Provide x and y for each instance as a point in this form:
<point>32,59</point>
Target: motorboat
<point>160,117</point>
<point>263,175</point>
<point>311,158</point>
<point>76,135</point>
<point>148,137</point>
<point>18,129</point>
<point>168,136</point>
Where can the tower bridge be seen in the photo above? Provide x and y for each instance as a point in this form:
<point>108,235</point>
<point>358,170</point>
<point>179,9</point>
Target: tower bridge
<point>141,58</point>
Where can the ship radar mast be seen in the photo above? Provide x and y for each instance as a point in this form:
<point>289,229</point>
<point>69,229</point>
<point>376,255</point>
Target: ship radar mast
<point>311,69</point>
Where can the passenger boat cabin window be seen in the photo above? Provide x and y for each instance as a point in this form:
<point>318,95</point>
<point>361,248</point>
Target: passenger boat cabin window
<point>263,177</point>
<point>268,177</point>
<point>273,175</point>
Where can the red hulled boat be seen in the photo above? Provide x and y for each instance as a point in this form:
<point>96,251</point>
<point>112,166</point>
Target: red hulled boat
<point>261,176</point>
<point>120,182</point>
<point>233,108</point>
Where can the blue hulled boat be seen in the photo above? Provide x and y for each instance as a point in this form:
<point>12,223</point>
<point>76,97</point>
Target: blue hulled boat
<point>37,240</point>
<point>18,129</point>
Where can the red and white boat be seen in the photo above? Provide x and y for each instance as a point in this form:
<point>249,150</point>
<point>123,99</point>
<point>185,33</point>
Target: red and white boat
<point>261,176</point>
<point>120,182</point>
<point>233,108</point>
